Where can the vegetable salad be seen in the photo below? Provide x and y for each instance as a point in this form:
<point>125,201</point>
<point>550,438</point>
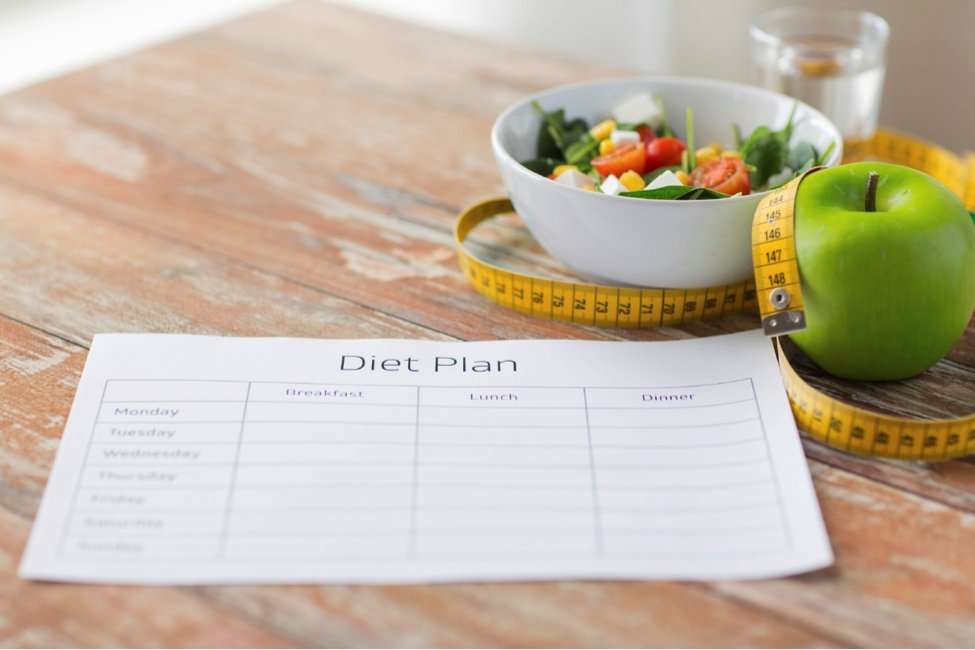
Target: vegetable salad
<point>636,153</point>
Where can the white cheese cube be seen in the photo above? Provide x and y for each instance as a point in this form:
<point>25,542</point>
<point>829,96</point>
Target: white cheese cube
<point>612,185</point>
<point>635,110</point>
<point>666,179</point>
<point>575,178</point>
<point>619,138</point>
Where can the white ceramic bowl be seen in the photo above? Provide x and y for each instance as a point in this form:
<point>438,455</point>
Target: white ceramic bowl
<point>617,240</point>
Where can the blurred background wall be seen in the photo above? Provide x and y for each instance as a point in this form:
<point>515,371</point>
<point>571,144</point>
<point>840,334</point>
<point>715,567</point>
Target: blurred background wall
<point>930,89</point>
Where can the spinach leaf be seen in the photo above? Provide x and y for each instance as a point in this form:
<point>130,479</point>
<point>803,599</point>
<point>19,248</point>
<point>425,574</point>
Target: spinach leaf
<point>767,151</point>
<point>546,146</point>
<point>649,177</point>
<point>703,193</point>
<point>582,151</point>
<point>797,173</point>
<point>801,159</point>
<point>676,193</point>
<point>574,131</point>
<point>543,166</point>
<point>757,134</point>
<point>786,133</point>
<point>821,159</point>
<point>810,162</point>
<point>767,154</point>
<point>801,154</point>
<point>630,126</point>
<point>664,130</point>
<point>806,166</point>
<point>557,134</point>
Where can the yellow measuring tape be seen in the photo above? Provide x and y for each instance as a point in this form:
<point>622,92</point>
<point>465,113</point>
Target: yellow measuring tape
<point>775,292</point>
<point>591,304</point>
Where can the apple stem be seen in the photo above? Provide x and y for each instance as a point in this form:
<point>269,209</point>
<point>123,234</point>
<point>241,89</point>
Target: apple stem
<point>870,203</point>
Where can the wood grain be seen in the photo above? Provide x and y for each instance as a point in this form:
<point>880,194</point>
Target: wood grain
<point>902,575</point>
<point>272,177</point>
<point>41,370</point>
<point>368,237</point>
<point>38,615</point>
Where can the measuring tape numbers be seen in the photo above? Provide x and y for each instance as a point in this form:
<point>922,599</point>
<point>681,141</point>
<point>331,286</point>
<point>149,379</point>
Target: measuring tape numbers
<point>775,292</point>
<point>775,261</point>
<point>591,304</point>
<point>859,431</point>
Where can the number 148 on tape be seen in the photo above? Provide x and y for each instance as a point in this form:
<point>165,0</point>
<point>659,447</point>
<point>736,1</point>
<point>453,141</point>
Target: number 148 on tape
<point>774,257</point>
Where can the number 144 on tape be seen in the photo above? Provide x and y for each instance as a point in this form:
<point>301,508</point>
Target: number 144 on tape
<point>774,257</point>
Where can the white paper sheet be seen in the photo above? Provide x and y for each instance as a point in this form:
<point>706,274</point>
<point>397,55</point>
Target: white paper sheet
<point>195,460</point>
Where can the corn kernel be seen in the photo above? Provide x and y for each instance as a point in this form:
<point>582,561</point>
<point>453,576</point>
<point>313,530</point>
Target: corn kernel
<point>562,168</point>
<point>589,188</point>
<point>682,177</point>
<point>705,155</point>
<point>632,181</point>
<point>606,146</point>
<point>717,147</point>
<point>602,130</point>
<point>731,153</point>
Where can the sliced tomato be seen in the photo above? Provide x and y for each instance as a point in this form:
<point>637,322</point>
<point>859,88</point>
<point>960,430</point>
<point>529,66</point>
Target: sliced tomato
<point>619,161</point>
<point>664,152</point>
<point>726,175</point>
<point>646,134</point>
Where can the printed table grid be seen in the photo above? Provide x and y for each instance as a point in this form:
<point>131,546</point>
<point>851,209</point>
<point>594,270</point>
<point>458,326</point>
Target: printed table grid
<point>598,483</point>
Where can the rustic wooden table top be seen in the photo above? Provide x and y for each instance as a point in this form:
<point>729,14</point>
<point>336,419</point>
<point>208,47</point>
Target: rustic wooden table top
<point>297,173</point>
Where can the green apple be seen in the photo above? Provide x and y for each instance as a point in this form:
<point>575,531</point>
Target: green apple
<point>886,292</point>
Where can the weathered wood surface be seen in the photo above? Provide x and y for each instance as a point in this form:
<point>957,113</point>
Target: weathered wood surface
<point>296,173</point>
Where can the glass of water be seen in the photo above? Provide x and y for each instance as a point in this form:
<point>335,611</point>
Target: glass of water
<point>832,59</point>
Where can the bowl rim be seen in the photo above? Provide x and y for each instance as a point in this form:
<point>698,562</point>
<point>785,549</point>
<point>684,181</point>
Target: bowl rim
<point>834,158</point>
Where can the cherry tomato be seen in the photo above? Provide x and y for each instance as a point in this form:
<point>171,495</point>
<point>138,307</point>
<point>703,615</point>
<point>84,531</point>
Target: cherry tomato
<point>646,134</point>
<point>664,152</point>
<point>726,175</point>
<point>631,156</point>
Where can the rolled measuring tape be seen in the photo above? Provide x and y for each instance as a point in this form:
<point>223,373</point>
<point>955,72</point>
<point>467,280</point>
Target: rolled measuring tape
<point>775,292</point>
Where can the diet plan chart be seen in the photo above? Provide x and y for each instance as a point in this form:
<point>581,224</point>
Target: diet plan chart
<point>207,460</point>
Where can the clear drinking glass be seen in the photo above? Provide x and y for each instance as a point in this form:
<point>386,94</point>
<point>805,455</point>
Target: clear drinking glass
<point>832,59</point>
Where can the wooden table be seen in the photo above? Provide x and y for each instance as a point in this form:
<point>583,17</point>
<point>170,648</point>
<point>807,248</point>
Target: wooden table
<point>296,173</point>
